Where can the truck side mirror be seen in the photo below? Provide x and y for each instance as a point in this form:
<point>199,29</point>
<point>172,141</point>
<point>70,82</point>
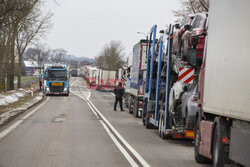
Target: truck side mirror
<point>188,27</point>
<point>177,26</point>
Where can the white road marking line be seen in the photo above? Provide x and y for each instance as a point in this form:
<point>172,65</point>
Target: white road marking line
<point>120,147</point>
<point>130,148</point>
<point>136,154</point>
<point>93,110</point>
<point>89,95</point>
<point>18,122</point>
<point>124,152</point>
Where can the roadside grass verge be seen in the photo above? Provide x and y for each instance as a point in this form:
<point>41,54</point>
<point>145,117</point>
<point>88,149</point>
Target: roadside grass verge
<point>11,111</point>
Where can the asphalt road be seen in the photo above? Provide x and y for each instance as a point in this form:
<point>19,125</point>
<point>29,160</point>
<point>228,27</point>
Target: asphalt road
<point>83,130</point>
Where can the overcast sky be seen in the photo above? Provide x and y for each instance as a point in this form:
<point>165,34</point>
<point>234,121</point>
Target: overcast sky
<point>83,27</point>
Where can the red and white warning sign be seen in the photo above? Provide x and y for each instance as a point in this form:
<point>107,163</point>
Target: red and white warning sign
<point>186,75</point>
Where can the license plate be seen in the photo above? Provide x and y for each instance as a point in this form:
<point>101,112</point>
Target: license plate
<point>190,134</point>
<point>57,84</point>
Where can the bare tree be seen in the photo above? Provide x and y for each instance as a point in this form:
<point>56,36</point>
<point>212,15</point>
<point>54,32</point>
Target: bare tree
<point>188,7</point>
<point>21,21</point>
<point>30,29</point>
<point>40,53</point>
<point>111,56</point>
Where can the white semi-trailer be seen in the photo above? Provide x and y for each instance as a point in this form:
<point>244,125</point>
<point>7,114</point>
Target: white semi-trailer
<point>105,80</point>
<point>222,131</point>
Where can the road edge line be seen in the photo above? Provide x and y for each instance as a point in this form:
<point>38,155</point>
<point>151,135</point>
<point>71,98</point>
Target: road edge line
<point>129,147</point>
<point>18,122</point>
<point>120,147</point>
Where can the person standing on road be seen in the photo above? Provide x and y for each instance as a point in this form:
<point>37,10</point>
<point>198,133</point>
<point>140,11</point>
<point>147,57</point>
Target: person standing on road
<point>119,91</point>
<point>40,84</point>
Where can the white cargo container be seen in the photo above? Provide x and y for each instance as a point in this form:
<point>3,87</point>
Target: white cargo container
<point>105,80</point>
<point>223,126</point>
<point>91,75</point>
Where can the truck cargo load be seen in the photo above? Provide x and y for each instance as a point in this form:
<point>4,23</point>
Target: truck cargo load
<point>105,80</point>
<point>222,132</point>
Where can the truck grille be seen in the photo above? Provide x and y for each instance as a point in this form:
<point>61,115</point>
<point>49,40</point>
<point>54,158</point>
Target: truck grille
<point>56,89</point>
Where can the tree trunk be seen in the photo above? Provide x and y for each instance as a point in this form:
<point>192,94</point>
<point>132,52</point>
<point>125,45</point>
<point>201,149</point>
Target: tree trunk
<point>20,59</point>
<point>12,66</point>
<point>7,67</point>
<point>12,59</point>
<point>2,73</point>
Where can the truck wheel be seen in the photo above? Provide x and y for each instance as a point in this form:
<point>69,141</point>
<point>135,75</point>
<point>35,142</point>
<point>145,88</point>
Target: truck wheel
<point>219,155</point>
<point>144,112</point>
<point>148,125</point>
<point>198,157</point>
<point>135,113</point>
<point>126,100</point>
<point>130,108</point>
<point>161,127</point>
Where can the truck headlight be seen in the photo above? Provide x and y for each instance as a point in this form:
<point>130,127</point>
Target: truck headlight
<point>47,89</point>
<point>65,89</point>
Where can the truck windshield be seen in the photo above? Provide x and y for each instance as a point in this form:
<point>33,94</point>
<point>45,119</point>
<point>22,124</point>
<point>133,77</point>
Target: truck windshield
<point>57,74</point>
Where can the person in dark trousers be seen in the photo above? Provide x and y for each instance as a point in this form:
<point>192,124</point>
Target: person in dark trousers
<point>119,91</point>
<point>40,84</point>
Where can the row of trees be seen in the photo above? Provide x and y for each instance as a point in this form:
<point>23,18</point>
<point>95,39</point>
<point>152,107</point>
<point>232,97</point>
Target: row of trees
<point>188,7</point>
<point>22,22</point>
<point>111,56</point>
<point>43,55</point>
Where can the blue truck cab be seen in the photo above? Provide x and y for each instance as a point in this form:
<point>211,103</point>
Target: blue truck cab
<point>56,79</point>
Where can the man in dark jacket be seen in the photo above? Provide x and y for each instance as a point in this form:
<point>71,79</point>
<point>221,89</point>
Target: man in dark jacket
<point>40,84</point>
<point>119,91</point>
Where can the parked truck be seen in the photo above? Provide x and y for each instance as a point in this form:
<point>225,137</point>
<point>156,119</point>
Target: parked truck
<point>56,79</point>
<point>127,84</point>
<point>74,72</point>
<point>105,80</point>
<point>171,88</point>
<point>91,74</point>
<point>120,76</point>
<point>135,95</point>
<point>149,98</point>
<point>222,131</point>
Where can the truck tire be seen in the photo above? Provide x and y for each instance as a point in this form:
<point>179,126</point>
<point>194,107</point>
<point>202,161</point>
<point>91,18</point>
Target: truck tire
<point>126,100</point>
<point>148,125</point>
<point>144,112</point>
<point>135,113</point>
<point>220,157</point>
<point>198,157</point>
<point>161,127</point>
<point>130,109</point>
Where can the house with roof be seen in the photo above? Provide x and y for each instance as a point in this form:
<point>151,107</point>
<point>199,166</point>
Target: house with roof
<point>31,67</point>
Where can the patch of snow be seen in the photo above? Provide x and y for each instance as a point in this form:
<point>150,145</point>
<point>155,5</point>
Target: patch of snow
<point>5,116</point>
<point>12,96</point>
<point>9,99</point>
<point>21,94</point>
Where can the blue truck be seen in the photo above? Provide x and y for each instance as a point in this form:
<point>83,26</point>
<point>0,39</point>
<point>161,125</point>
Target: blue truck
<point>56,79</point>
<point>135,87</point>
